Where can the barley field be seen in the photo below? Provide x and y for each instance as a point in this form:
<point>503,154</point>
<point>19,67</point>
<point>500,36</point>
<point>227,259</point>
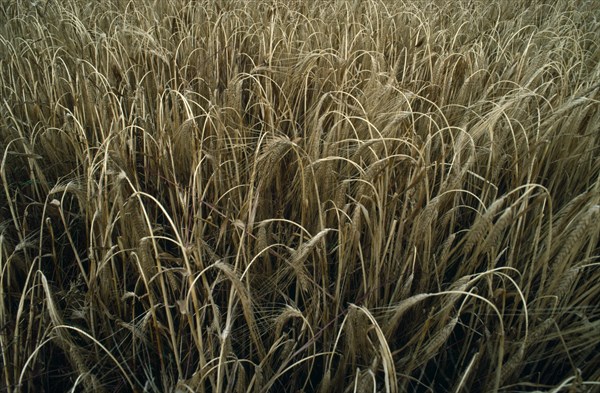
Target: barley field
<point>300,196</point>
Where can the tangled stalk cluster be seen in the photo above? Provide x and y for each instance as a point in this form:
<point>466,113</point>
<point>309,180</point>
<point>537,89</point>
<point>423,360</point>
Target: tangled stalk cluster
<point>328,196</point>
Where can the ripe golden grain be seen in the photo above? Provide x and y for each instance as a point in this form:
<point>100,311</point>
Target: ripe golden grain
<point>412,158</point>
<point>482,225</point>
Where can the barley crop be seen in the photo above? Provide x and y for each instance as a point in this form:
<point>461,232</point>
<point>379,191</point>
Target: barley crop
<point>318,196</point>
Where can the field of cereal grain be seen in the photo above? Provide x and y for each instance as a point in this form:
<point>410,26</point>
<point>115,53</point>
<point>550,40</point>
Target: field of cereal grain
<point>318,196</point>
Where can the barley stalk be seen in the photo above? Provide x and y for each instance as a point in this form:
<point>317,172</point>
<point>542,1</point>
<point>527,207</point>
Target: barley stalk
<point>435,343</point>
<point>572,241</point>
<point>481,225</point>
<point>497,230</point>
